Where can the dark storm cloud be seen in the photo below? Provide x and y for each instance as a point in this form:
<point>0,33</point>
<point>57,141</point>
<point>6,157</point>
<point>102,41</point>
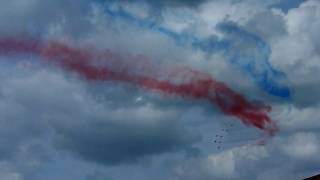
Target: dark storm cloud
<point>114,142</point>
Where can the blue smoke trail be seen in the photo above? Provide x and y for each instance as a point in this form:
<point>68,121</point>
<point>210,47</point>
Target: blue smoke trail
<point>252,54</point>
<point>243,49</point>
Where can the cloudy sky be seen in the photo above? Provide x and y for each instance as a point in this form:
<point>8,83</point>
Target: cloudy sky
<point>73,104</point>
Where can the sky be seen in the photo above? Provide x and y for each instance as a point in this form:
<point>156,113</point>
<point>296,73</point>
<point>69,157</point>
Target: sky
<point>159,89</point>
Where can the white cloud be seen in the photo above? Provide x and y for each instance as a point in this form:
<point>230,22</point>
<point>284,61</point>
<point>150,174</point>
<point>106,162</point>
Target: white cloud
<point>298,52</point>
<point>303,146</point>
<point>222,165</point>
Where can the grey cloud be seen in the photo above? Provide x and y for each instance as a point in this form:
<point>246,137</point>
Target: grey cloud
<point>161,3</point>
<point>100,131</point>
<point>97,175</point>
<point>25,115</point>
<point>119,142</point>
<point>106,126</point>
<point>268,25</point>
<point>41,18</point>
<point>286,5</point>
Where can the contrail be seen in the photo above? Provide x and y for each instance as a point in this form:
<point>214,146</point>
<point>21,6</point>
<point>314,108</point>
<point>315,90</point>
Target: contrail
<point>104,65</point>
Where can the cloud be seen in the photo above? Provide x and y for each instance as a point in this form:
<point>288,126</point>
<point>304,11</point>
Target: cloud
<point>19,17</point>
<point>132,134</point>
<point>112,135</point>
<point>286,5</point>
<point>298,51</point>
<point>302,146</point>
<point>159,3</point>
<point>280,159</point>
<point>52,120</point>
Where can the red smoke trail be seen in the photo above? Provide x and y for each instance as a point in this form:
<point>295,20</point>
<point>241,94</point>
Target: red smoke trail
<point>181,81</point>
